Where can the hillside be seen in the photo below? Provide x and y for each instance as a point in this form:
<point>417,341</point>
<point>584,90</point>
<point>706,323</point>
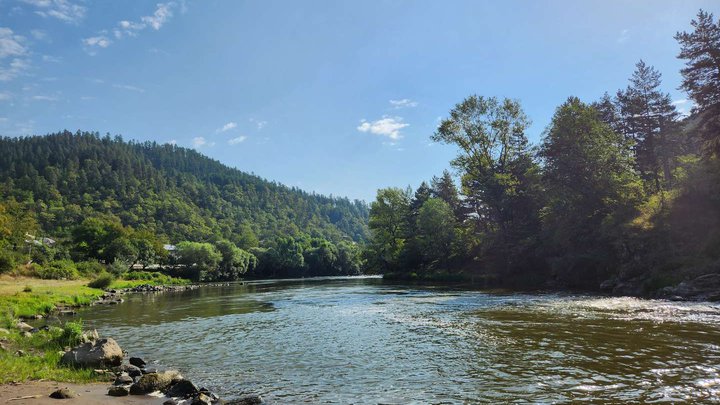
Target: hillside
<point>173,192</point>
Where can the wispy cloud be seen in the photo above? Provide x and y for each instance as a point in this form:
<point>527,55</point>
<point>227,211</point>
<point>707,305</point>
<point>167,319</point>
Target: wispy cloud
<point>5,96</point>
<point>129,87</point>
<point>681,101</point>
<point>199,142</point>
<point>44,98</point>
<point>11,45</point>
<point>386,126</point>
<point>403,103</point>
<point>63,10</point>
<point>259,124</point>
<point>13,52</point>
<point>100,41</point>
<point>38,34</point>
<point>172,142</point>
<point>226,127</point>
<point>51,59</point>
<point>237,140</point>
<point>624,36</point>
<point>125,28</point>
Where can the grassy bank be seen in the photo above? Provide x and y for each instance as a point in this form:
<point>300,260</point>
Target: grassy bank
<point>37,356</point>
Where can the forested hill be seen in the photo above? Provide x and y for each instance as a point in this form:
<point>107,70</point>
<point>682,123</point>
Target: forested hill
<point>174,192</point>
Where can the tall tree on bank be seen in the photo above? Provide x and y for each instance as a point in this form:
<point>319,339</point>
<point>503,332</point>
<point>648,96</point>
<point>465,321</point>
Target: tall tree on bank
<point>646,118</point>
<point>588,177</point>
<point>499,177</point>
<point>444,188</point>
<point>701,75</point>
<point>388,228</point>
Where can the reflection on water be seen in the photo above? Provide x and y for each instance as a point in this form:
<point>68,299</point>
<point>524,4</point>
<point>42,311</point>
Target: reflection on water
<point>363,341</point>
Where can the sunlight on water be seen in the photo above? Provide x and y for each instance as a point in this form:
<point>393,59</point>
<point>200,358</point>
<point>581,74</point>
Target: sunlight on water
<point>361,341</point>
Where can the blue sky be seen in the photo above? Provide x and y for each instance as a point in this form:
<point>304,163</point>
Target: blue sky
<point>336,97</point>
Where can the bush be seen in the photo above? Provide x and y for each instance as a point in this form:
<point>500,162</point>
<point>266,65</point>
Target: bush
<point>7,261</point>
<point>57,270</point>
<point>71,334</point>
<point>90,268</point>
<point>27,289</point>
<point>102,281</point>
<point>118,268</point>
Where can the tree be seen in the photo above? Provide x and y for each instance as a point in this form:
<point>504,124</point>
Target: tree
<point>444,188</point>
<point>647,117</point>
<point>436,231</point>
<point>199,258</point>
<point>388,224</point>
<point>588,177</point>
<point>235,261</point>
<point>701,75</point>
<point>499,177</point>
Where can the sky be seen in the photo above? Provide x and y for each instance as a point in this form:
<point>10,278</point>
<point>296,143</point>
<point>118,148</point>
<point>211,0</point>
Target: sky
<point>336,97</point>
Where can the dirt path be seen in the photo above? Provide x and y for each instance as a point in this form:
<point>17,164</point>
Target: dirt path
<point>37,392</point>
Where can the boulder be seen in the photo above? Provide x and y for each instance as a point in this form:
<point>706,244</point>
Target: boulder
<point>703,288</point>
<point>24,327</point>
<point>118,391</point>
<point>246,400</point>
<point>182,389</point>
<point>133,371</point>
<point>63,393</point>
<point>97,354</point>
<point>201,399</point>
<point>170,402</point>
<point>137,362</point>
<point>123,379</point>
<point>154,382</point>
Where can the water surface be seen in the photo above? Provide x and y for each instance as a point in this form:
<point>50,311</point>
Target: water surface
<point>363,341</point>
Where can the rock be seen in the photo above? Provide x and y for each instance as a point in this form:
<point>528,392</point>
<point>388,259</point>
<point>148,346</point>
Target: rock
<point>137,362</point>
<point>170,402</point>
<point>118,391</point>
<point>20,353</point>
<point>63,393</point>
<point>703,288</point>
<point>27,334</point>
<point>38,316</point>
<point>148,370</point>
<point>24,327</point>
<point>182,389</point>
<point>96,354</point>
<point>201,399</point>
<point>124,379</point>
<point>90,336</point>
<point>154,382</point>
<point>246,400</point>
<point>133,371</point>
<point>4,331</point>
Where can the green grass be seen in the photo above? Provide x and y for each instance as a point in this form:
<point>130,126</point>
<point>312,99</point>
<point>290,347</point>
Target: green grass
<point>25,297</point>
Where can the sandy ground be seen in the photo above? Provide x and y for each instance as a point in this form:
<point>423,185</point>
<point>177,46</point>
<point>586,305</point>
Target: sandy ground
<point>37,392</point>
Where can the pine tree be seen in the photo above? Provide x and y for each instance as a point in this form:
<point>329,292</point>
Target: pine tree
<point>701,75</point>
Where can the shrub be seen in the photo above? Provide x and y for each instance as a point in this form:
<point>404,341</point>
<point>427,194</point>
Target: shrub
<point>118,268</point>
<point>71,334</point>
<point>7,261</point>
<point>57,270</point>
<point>90,268</point>
<point>102,281</point>
<point>27,289</point>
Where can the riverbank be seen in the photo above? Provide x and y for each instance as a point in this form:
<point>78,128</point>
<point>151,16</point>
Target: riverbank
<point>37,392</point>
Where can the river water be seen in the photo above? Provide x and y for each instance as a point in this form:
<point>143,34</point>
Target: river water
<point>366,341</point>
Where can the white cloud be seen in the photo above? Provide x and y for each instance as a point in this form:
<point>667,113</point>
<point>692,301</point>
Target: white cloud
<point>4,96</point>
<point>38,34</point>
<point>161,15</point>
<point>237,140</point>
<point>386,126</point>
<point>404,103</point>
<point>44,98</point>
<point>11,44</point>
<point>63,10</point>
<point>14,69</point>
<point>172,142</point>
<point>199,142</point>
<point>227,127</point>
<point>100,41</point>
<point>126,28</point>
<point>129,87</point>
<point>680,102</point>
<point>259,123</point>
<point>624,35</point>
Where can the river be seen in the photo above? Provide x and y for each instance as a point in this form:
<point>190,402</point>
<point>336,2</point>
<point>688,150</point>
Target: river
<point>366,341</point>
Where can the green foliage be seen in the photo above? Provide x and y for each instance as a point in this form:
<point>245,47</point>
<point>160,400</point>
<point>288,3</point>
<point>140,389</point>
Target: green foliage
<point>89,268</point>
<point>102,281</point>
<point>201,260</point>
<point>57,270</point>
<point>71,334</point>
<point>7,261</point>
